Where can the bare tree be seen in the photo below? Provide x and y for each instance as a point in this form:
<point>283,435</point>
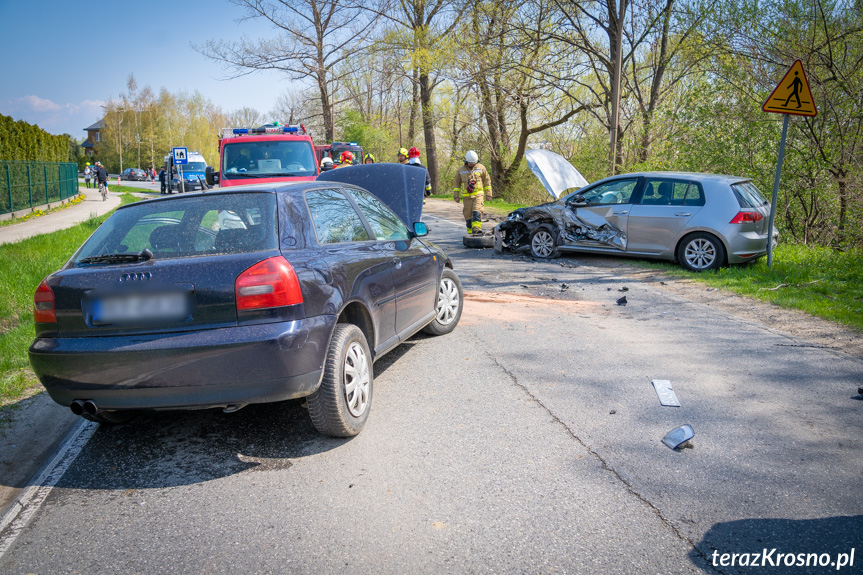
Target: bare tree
<point>314,36</point>
<point>423,29</point>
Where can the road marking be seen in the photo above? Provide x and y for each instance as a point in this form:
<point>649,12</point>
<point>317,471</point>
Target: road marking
<point>440,219</point>
<point>21,512</point>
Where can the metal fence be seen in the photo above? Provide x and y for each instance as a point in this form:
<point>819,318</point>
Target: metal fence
<point>24,185</point>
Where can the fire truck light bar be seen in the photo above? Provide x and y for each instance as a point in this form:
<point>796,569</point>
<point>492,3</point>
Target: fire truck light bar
<point>267,130</point>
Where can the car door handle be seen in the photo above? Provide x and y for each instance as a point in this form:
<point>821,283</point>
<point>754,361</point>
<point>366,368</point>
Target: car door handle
<point>682,214</point>
<point>624,212</point>
<point>398,263</point>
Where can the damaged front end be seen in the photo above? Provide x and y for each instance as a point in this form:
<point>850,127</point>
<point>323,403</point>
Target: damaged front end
<point>563,222</point>
<point>558,222</point>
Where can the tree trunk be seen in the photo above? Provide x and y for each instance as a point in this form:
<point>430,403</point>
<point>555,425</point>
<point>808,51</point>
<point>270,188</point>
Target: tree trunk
<point>414,108</point>
<point>491,120</point>
<point>428,129</point>
<point>326,108</point>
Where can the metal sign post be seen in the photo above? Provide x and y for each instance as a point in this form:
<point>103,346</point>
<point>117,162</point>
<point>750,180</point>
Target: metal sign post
<point>181,157</point>
<point>791,96</point>
<point>776,193</point>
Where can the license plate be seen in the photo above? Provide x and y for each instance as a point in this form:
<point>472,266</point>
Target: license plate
<point>140,308</point>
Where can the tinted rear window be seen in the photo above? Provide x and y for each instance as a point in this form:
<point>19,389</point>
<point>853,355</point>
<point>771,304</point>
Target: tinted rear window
<point>188,227</point>
<point>748,195</point>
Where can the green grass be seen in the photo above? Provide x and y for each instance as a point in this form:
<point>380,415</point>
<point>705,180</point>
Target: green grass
<point>22,266</point>
<point>821,281</point>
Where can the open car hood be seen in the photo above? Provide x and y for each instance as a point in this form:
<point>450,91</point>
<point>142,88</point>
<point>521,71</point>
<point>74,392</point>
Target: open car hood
<point>399,187</point>
<point>554,172</point>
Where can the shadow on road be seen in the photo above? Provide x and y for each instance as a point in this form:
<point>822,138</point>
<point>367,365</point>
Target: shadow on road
<point>173,448</point>
<point>834,536</point>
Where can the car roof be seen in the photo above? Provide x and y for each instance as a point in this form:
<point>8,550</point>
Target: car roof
<point>696,176</point>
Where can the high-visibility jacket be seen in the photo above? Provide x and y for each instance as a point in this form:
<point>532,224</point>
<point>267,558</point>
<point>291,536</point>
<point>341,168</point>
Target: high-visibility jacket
<point>476,178</point>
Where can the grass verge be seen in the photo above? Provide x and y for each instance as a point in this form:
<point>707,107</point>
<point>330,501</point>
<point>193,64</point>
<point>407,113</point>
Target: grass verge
<point>821,281</point>
<point>22,266</point>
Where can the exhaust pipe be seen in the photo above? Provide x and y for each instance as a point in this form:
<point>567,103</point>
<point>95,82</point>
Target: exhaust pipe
<point>90,407</point>
<point>77,407</point>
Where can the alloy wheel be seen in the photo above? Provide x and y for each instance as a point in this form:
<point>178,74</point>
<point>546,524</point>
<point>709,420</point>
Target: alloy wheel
<point>700,253</point>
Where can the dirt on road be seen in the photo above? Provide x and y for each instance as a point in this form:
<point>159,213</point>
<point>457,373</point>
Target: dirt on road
<point>801,325</point>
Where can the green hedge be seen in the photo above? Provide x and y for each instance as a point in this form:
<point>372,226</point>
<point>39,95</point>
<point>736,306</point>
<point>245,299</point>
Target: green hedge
<point>27,184</point>
<point>22,141</point>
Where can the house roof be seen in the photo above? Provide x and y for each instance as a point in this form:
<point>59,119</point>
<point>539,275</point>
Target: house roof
<point>97,126</point>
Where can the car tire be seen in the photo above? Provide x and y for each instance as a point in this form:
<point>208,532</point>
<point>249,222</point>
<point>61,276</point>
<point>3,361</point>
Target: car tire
<point>543,243</point>
<point>341,405</point>
<point>700,252</point>
<point>450,300</point>
<point>110,417</point>
<point>478,242</point>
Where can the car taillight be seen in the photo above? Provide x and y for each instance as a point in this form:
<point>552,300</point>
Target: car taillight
<point>43,304</point>
<point>743,217</point>
<point>270,283</point>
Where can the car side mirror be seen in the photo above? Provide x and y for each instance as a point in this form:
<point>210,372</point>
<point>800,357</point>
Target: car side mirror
<point>420,229</point>
<point>576,200</point>
<point>211,176</point>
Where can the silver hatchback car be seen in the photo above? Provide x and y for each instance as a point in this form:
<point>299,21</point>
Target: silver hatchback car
<point>701,221</point>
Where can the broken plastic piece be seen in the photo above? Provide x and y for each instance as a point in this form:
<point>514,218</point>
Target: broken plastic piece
<point>666,394</point>
<point>678,436</point>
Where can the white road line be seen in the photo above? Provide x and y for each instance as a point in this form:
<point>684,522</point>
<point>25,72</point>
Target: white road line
<point>21,512</point>
<point>444,220</point>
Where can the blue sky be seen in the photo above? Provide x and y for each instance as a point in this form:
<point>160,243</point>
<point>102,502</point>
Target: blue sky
<point>62,59</point>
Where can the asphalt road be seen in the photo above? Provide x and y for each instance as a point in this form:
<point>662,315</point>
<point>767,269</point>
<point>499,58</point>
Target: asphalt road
<point>526,441</point>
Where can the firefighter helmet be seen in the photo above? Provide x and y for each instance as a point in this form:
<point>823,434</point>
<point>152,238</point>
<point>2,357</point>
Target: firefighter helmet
<point>471,157</point>
<point>414,152</point>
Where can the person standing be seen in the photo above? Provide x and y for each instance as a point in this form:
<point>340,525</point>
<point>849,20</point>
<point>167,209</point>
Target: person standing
<point>402,156</point>
<point>414,160</point>
<point>162,177</point>
<point>473,185</point>
<point>369,159</point>
<point>87,173</point>
<point>346,159</point>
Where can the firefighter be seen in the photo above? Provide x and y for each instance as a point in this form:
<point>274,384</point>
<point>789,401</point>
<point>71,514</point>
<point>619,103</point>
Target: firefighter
<point>402,156</point>
<point>473,184</point>
<point>346,159</point>
<point>327,164</point>
<point>414,160</point>
<point>369,159</point>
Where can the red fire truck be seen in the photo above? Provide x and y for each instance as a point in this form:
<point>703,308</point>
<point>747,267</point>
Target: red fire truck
<point>270,153</point>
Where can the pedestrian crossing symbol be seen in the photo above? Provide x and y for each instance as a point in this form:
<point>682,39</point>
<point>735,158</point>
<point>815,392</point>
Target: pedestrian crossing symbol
<point>792,95</point>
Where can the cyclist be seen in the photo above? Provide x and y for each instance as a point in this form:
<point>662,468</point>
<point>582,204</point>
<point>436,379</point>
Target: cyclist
<point>102,178</point>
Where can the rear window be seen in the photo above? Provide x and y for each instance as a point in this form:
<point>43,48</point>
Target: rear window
<point>189,227</point>
<point>748,195</point>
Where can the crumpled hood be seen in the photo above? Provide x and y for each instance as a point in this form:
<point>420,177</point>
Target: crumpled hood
<point>553,171</point>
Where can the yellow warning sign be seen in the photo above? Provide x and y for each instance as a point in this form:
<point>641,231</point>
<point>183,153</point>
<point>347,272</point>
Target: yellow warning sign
<point>792,95</point>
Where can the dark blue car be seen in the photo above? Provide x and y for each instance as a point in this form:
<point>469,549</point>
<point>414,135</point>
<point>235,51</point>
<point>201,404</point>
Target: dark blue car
<point>254,295</point>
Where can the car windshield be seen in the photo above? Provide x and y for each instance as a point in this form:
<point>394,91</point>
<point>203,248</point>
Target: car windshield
<point>748,195</point>
<point>194,167</point>
<point>268,159</point>
<point>186,227</point>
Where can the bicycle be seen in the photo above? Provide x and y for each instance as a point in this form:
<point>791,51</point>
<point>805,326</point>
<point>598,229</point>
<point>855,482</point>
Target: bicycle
<point>103,189</point>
